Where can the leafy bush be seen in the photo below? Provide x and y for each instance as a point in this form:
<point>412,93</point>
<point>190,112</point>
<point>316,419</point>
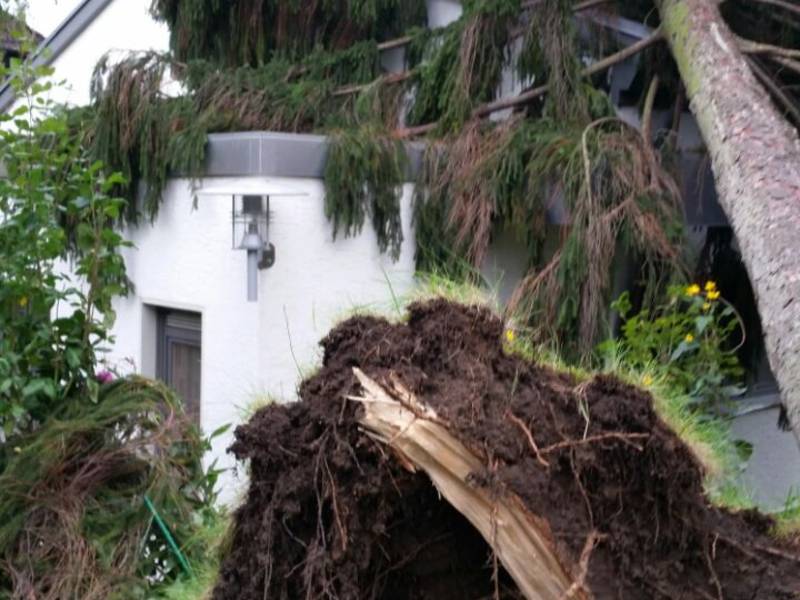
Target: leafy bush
<point>688,339</point>
<point>102,487</point>
<point>53,205</point>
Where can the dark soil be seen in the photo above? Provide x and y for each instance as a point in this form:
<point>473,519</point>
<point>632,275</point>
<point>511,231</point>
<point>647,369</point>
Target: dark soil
<point>331,514</point>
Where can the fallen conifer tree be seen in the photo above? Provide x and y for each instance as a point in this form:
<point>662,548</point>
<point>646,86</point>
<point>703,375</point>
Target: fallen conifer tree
<point>425,461</point>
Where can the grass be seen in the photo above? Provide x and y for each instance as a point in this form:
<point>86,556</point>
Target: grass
<point>787,520</point>
<point>542,354</point>
<point>215,536</point>
<point>426,287</point>
<point>434,285</point>
<point>256,403</point>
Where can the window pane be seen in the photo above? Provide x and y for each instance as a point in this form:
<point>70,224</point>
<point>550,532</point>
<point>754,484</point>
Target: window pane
<point>184,376</point>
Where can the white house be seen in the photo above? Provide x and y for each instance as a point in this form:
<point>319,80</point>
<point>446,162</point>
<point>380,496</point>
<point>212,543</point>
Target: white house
<point>189,321</point>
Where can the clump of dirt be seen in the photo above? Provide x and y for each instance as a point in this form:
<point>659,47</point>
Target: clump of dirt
<point>331,514</point>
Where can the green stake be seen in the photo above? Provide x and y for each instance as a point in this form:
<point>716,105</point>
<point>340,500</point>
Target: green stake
<point>170,540</point>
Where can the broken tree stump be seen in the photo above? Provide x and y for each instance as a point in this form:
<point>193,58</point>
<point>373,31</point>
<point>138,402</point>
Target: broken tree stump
<point>521,541</point>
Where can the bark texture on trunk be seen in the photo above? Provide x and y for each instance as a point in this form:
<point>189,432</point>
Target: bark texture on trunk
<point>755,156</point>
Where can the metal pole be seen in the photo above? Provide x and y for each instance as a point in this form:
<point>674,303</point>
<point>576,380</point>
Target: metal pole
<point>252,276</point>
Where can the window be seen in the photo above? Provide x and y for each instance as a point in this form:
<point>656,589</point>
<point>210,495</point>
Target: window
<point>178,355</point>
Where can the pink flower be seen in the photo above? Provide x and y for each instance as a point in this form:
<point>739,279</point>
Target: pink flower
<point>104,376</point>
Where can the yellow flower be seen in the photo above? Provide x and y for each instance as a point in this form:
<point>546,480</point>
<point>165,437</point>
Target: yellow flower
<point>693,290</point>
<point>510,335</point>
<point>23,302</point>
<point>713,295</point>
<point>706,306</point>
<point>711,286</point>
<point>689,338</point>
<point>647,380</point>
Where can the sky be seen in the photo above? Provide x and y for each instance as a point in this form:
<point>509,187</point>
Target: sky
<point>45,15</point>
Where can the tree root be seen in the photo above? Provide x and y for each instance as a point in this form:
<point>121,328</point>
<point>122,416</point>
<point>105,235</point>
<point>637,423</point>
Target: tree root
<point>592,439</point>
<point>531,442</point>
<point>583,564</point>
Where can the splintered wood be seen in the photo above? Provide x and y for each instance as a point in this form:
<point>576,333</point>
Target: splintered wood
<point>522,542</point>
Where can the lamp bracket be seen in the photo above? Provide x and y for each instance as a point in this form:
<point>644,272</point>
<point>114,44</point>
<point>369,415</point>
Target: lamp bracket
<point>266,257</point>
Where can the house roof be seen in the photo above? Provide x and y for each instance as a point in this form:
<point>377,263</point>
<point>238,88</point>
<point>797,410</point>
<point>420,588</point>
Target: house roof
<point>59,40</point>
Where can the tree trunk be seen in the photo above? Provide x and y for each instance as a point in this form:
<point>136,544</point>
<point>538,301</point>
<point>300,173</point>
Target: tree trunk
<point>755,156</point>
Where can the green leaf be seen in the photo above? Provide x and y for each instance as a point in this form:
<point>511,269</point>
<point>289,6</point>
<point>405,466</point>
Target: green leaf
<point>744,449</point>
<point>219,431</point>
<point>702,322</point>
<point>72,357</point>
<point>33,387</point>
<point>111,211</point>
<point>622,304</point>
<point>49,389</point>
<point>85,236</point>
<point>115,178</point>
<point>733,391</point>
<point>80,202</point>
<point>682,349</point>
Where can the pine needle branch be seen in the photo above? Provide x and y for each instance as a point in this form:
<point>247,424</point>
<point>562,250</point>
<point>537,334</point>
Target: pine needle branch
<point>788,6</point>
<point>751,47</point>
<point>530,95</point>
<point>778,94</point>
<point>647,113</point>
<point>789,63</point>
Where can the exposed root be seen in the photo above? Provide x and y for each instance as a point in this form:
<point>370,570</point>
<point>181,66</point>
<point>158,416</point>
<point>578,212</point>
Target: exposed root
<point>583,565</point>
<point>593,439</point>
<point>584,494</point>
<point>531,442</point>
<point>335,504</point>
<point>713,572</point>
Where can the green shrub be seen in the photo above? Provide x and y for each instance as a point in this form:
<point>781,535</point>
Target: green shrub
<point>95,478</point>
<point>54,206</point>
<point>687,340</point>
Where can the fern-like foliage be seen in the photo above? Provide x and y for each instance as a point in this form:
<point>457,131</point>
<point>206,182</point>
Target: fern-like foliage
<point>317,67</point>
<point>247,32</point>
<point>73,518</point>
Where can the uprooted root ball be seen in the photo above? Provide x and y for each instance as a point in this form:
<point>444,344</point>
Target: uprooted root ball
<point>331,513</point>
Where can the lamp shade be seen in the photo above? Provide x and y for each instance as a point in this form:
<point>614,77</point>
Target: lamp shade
<point>252,242</point>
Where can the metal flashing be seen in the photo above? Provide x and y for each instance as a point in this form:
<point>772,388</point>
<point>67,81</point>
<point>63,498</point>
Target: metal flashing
<point>274,154</point>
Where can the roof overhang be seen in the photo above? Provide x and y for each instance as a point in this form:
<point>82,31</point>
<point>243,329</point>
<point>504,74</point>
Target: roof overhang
<point>58,41</point>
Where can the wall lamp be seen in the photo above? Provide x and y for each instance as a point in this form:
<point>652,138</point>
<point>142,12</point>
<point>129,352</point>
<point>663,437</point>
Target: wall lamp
<point>250,217</point>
